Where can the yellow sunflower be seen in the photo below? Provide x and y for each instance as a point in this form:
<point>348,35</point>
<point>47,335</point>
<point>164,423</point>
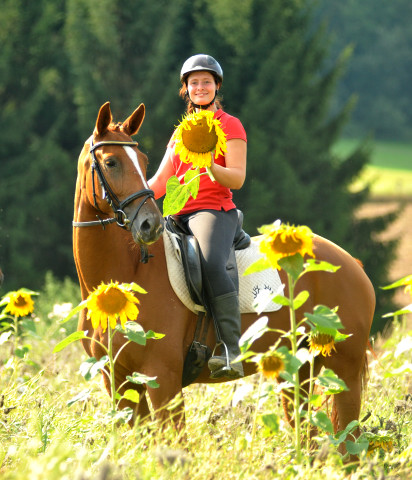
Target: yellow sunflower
<point>197,137</point>
<point>19,303</point>
<point>383,443</point>
<point>108,302</point>
<point>281,240</point>
<point>271,364</point>
<point>322,343</point>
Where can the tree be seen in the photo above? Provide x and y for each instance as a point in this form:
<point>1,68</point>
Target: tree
<point>37,126</point>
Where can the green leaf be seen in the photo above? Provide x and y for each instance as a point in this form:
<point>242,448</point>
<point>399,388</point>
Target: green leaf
<point>73,312</point>
<point>121,416</point>
<point>322,421</point>
<point>258,266</point>
<point>68,340</point>
<point>21,351</point>
<point>300,299</point>
<point>141,379</point>
<point>91,367</point>
<point>192,180</point>
<point>325,318</point>
<point>293,265</point>
<point>151,335</point>
<point>132,395</point>
<point>176,196</point>
<point>80,397</point>
<point>313,265</point>
<point>355,448</point>
<point>399,283</point>
<point>402,311</point>
<point>135,287</point>
<point>331,382</point>
<point>271,422</point>
<point>4,337</point>
<point>255,331</point>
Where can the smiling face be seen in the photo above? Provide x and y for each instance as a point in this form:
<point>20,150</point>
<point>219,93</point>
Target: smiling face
<point>202,87</point>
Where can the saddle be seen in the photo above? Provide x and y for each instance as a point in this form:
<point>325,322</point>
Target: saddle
<point>199,352</point>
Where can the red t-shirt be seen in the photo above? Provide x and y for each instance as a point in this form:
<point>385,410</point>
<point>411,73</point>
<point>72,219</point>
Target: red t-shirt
<point>211,195</point>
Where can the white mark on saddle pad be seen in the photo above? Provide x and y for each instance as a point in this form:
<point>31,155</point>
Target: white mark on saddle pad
<point>252,288</point>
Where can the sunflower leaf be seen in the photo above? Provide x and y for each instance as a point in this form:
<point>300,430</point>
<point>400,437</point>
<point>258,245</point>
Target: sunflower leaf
<point>313,265</point>
<point>132,395</point>
<point>68,340</point>
<point>331,382</point>
<point>326,319</point>
<point>258,266</point>
<point>73,312</point>
<point>192,180</point>
<point>176,196</point>
<point>91,367</point>
<point>322,421</point>
<point>255,331</point>
<point>141,379</point>
<point>292,264</point>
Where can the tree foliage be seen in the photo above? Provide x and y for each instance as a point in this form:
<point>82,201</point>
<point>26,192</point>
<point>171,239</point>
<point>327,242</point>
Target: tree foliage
<point>62,59</point>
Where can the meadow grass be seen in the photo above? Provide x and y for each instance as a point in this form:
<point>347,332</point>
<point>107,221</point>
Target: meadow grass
<point>390,170</point>
<point>41,437</point>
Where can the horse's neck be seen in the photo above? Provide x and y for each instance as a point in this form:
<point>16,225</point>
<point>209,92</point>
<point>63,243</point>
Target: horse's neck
<point>104,256</point>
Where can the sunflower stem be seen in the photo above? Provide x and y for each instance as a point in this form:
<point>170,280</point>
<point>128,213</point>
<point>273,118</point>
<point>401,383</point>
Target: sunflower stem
<point>110,336</point>
<point>253,435</point>
<point>293,340</point>
<point>311,385</point>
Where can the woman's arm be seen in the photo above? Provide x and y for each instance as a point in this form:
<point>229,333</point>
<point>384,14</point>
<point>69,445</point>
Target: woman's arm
<point>158,182</point>
<point>234,173</point>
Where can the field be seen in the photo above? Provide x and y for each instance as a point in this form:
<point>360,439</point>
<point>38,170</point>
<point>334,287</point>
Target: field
<point>46,434</point>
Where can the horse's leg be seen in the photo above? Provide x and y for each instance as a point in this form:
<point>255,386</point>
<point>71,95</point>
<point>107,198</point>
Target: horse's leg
<point>167,400</point>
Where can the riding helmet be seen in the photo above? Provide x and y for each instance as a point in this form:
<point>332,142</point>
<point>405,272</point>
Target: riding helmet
<point>201,62</point>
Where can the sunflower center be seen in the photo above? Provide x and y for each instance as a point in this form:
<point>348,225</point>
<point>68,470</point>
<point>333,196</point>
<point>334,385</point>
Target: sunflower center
<point>112,301</point>
<point>287,244</point>
<point>322,339</point>
<point>20,302</point>
<point>199,138</point>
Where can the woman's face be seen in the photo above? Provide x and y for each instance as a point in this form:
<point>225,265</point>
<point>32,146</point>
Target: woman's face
<point>201,87</point>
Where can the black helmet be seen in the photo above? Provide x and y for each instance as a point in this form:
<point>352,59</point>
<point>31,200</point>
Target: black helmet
<point>201,63</point>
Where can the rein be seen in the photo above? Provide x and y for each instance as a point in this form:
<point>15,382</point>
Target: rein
<point>117,206</point>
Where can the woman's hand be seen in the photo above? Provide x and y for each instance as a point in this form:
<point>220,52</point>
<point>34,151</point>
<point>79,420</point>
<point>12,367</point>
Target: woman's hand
<point>234,173</point>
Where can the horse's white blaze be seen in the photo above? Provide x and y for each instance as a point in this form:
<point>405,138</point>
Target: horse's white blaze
<point>133,157</point>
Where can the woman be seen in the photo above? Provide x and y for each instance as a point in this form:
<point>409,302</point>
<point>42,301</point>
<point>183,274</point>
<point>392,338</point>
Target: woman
<point>212,217</point>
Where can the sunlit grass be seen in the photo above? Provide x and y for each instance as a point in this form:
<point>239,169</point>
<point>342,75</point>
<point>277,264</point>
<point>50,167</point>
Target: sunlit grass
<point>390,170</point>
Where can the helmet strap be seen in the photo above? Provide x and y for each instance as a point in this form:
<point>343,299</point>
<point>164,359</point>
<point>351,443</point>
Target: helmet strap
<point>202,107</point>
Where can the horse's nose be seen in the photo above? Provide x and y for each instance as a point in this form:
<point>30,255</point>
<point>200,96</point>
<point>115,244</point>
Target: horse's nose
<point>150,229</point>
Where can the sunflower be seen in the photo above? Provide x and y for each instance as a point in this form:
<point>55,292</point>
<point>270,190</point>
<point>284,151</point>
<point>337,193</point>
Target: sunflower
<point>271,364</point>
<point>280,240</point>
<point>383,443</point>
<point>108,302</point>
<point>198,136</point>
<point>19,303</point>
<point>322,343</point>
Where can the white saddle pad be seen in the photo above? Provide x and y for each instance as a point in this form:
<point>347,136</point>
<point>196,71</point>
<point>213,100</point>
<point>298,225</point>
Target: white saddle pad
<point>253,288</point>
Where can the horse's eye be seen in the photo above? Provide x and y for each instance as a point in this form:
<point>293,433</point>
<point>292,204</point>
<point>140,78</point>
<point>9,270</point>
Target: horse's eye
<point>110,162</point>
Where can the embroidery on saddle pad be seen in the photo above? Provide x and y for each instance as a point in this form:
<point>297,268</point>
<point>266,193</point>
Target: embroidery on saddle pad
<point>251,287</point>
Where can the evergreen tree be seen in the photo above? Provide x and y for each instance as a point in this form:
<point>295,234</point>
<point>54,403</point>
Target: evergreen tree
<point>36,170</point>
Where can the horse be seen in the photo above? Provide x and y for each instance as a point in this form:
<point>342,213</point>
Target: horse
<point>125,244</point>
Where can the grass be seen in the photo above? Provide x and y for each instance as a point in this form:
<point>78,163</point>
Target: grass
<point>41,437</point>
<point>390,170</point>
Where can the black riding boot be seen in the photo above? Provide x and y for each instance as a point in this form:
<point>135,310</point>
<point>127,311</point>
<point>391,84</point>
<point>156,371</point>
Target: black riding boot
<point>226,313</point>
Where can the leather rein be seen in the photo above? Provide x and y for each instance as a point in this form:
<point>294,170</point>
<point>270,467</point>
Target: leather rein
<point>117,206</point>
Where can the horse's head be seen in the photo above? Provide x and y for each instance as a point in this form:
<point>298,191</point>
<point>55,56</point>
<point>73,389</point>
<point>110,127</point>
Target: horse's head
<point>113,178</point>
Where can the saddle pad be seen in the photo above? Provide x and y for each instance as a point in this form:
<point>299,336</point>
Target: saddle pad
<point>252,288</point>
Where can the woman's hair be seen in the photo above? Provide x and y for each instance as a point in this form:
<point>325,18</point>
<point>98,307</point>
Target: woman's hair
<point>189,105</point>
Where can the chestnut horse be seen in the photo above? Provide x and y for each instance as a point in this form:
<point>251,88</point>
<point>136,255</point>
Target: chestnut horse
<point>112,187</point>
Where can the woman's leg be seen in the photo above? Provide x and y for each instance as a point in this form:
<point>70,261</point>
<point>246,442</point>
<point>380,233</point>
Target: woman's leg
<point>215,231</point>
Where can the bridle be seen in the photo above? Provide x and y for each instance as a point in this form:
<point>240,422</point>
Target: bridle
<point>117,206</point>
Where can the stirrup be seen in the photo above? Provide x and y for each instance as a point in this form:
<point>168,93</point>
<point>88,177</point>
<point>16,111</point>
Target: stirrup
<point>225,355</point>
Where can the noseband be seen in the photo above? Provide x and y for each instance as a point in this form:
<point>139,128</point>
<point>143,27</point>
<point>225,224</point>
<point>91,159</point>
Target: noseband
<point>117,205</point>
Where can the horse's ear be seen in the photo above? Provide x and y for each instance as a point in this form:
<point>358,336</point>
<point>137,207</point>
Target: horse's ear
<point>104,119</point>
<point>132,124</point>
